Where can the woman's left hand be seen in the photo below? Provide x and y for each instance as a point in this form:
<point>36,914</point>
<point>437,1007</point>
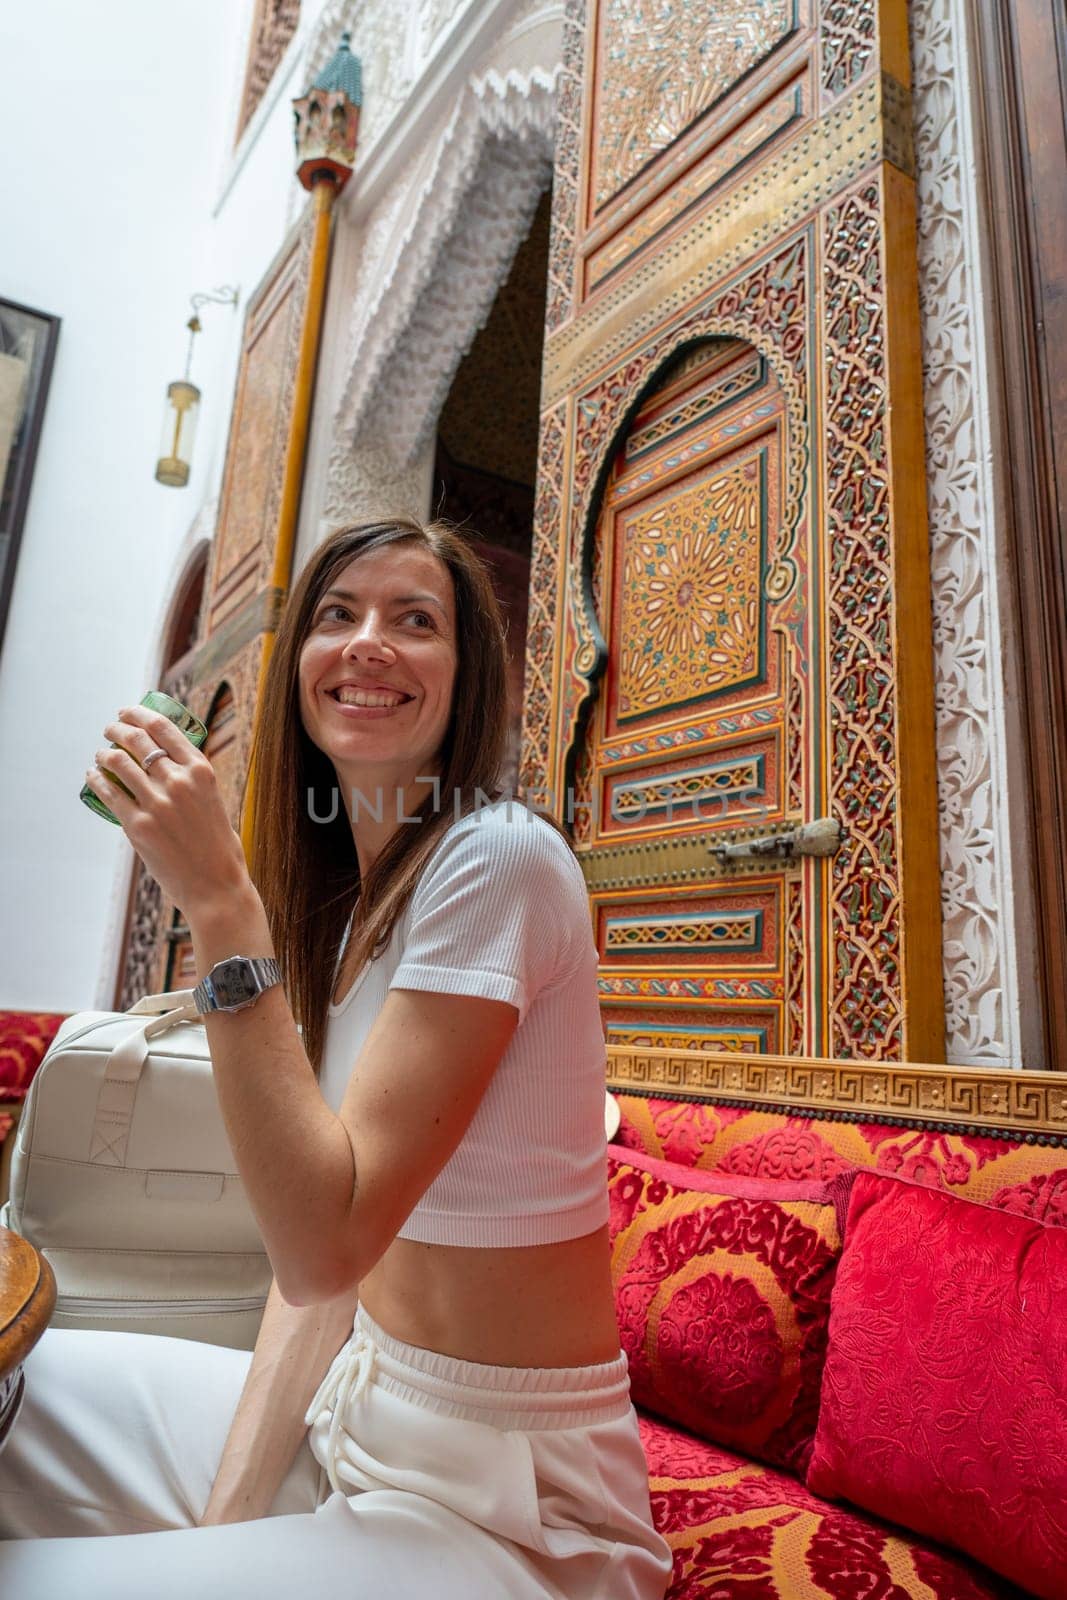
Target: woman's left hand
<point>175,820</point>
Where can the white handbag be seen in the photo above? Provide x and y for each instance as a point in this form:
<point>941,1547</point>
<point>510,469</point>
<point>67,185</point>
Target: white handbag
<point>123,1177</point>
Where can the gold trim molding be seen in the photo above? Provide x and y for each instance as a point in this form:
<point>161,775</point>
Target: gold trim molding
<point>978,1097</point>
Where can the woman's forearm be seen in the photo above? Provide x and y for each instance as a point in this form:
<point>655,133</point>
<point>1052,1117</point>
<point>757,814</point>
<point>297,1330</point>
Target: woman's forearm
<point>294,1155</point>
<point>295,1347</point>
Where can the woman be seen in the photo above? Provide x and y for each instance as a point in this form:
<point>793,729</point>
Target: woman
<point>441,1319</point>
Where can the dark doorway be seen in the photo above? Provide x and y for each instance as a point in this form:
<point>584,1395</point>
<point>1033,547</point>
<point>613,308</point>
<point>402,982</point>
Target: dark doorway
<point>486,458</point>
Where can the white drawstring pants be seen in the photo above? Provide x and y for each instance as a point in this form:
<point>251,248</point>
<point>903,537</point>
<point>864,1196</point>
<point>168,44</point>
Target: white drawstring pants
<point>420,1476</point>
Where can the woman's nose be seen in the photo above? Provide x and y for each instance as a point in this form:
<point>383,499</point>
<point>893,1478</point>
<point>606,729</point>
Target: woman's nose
<point>368,637</point>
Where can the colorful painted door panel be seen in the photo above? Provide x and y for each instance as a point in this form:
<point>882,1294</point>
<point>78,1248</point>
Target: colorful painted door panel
<point>690,736</point>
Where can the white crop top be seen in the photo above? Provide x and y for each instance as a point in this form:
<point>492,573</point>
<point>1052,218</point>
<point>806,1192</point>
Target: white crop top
<point>500,912</point>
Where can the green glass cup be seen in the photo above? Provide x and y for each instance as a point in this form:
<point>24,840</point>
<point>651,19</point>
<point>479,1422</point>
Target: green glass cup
<point>175,712</point>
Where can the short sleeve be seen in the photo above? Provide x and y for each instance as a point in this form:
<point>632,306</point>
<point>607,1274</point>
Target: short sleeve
<point>496,911</point>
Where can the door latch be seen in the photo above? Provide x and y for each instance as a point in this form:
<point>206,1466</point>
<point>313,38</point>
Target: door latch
<point>822,837</point>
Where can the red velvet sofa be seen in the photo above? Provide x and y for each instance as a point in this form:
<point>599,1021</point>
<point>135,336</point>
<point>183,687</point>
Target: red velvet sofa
<point>24,1040</point>
<point>846,1326</point>
<point>842,1288</point>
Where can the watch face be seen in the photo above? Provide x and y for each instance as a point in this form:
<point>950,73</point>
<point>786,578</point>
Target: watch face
<point>234,984</point>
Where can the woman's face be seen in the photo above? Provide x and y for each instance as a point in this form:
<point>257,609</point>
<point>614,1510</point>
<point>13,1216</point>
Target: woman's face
<point>378,666</point>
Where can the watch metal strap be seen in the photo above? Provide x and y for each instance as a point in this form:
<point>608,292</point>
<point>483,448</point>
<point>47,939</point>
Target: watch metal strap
<point>265,970</point>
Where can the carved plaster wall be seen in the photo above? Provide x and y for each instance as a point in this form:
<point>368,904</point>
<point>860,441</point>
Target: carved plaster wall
<point>439,243</point>
<point>981,889</point>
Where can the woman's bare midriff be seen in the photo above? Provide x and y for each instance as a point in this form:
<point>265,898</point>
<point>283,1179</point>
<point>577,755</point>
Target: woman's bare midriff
<point>546,1305</point>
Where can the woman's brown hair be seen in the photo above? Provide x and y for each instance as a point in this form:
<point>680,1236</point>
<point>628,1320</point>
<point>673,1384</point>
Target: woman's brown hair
<point>306,870</point>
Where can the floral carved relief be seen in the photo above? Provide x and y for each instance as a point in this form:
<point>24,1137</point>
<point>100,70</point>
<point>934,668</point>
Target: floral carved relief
<point>661,64</point>
<point>274,24</point>
<point>561,253</point>
<point>981,999</point>
<point>544,585</point>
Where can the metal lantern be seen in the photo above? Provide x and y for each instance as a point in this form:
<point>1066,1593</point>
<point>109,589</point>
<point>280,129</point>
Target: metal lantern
<point>326,120</point>
<point>183,402</point>
<point>179,430</point>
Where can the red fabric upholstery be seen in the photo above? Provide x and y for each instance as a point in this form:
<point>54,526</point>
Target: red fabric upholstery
<point>24,1040</point>
<point>742,1531</point>
<point>722,1291</point>
<point>944,1399</point>
<point>1009,1174</point>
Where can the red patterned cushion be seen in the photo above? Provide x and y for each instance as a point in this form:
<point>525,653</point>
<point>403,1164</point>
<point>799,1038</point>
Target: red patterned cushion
<point>742,1531</point>
<point>944,1401</point>
<point>24,1040</point>
<point>722,1291</point>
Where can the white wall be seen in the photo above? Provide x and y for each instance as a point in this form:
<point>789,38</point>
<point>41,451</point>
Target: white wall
<point>120,196</point>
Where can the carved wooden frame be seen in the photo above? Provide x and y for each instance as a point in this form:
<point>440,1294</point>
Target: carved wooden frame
<point>1024,172</point>
<point>845,180</point>
<point>1030,1105</point>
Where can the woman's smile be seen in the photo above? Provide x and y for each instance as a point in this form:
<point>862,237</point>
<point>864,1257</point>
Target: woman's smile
<point>372,707</point>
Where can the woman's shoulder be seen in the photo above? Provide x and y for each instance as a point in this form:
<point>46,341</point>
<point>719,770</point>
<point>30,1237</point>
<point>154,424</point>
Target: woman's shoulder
<point>504,835</point>
<point>510,825</point>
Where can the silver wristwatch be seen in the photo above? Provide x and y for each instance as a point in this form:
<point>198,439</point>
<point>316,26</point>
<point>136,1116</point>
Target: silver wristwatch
<point>235,983</point>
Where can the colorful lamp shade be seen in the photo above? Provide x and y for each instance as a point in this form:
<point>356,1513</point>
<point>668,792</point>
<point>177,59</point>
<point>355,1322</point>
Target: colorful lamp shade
<point>326,120</point>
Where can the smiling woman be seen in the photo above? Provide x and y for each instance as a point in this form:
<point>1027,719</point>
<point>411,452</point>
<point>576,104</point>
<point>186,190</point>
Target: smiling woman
<point>437,1399</point>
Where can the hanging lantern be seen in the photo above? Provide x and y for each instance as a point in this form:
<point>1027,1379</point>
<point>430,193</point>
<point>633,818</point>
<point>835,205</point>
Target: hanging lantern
<point>179,424</point>
<point>326,120</point>
<point>183,403</point>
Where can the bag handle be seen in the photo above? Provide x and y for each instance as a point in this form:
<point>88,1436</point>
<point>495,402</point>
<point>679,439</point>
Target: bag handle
<point>152,1004</point>
<point>110,1131</point>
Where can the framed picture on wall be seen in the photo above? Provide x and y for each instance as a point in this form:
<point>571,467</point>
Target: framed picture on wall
<point>27,351</point>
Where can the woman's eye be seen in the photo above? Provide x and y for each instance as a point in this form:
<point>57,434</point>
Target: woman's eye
<point>421,619</point>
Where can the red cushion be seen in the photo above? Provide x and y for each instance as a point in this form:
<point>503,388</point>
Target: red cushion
<point>944,1399</point>
<point>24,1040</point>
<point>722,1291</point>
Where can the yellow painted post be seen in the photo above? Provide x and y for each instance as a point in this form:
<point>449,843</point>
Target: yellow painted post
<point>323,195</point>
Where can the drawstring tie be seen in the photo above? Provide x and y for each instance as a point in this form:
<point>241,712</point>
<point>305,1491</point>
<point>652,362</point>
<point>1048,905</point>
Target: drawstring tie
<point>349,1374</point>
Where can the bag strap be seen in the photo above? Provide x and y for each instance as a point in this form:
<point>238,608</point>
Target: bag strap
<point>154,1003</point>
<point>110,1132</point>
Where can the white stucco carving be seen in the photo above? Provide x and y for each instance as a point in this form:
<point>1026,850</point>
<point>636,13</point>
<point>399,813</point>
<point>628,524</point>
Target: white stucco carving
<point>435,16</point>
<point>366,481</point>
<point>437,245</point>
<point>980,909</point>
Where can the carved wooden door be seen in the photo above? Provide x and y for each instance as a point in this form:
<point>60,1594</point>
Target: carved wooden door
<point>730,621</point>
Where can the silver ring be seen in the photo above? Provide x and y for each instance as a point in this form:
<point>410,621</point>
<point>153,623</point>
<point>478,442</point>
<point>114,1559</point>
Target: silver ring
<point>153,755</point>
